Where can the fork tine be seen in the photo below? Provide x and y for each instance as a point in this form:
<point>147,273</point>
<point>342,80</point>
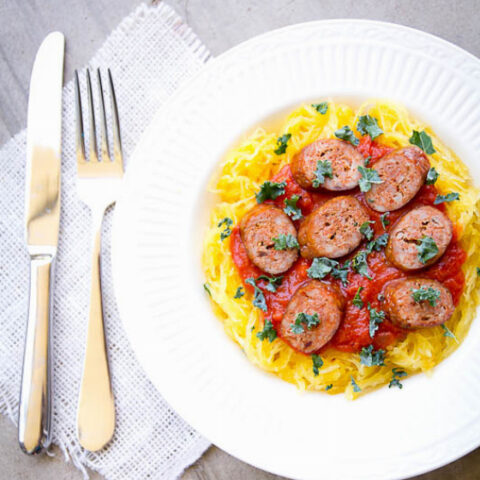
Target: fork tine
<point>80,138</point>
<point>117,143</point>
<point>103,123</point>
<point>91,111</point>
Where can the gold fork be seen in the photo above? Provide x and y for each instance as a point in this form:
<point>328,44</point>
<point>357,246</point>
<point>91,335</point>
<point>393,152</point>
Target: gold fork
<point>98,183</point>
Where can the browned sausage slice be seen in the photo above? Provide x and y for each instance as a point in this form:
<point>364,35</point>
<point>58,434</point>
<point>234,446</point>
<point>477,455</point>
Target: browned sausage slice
<point>258,228</point>
<point>402,248</point>
<point>344,160</point>
<point>333,229</point>
<point>318,298</point>
<point>403,173</point>
<point>405,312</point>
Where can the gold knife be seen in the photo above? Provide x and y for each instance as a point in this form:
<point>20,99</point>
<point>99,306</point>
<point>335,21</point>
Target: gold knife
<point>42,214</point>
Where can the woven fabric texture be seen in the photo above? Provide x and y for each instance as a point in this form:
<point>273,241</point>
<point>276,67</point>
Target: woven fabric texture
<point>150,54</point>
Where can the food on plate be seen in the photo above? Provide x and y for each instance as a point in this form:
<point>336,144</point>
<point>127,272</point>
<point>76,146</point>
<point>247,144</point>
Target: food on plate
<point>312,316</point>
<point>331,164</point>
<point>259,228</point>
<point>418,302</point>
<point>341,253</point>
<point>402,173</point>
<point>333,229</point>
<point>419,238</point>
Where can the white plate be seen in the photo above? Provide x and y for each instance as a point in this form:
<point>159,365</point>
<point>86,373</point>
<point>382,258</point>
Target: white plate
<point>388,434</point>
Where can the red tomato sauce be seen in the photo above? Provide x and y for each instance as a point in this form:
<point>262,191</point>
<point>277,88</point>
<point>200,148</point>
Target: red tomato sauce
<point>353,333</point>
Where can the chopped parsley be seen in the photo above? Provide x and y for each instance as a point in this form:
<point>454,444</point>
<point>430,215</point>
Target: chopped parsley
<point>368,125</point>
<point>449,197</point>
<point>423,294</point>
<point>397,373</point>
<point>360,265</point>
<point>321,107</point>
<point>448,333</point>
<point>356,388</point>
<point>273,282</point>
<point>357,299</point>
<point>370,357</point>
<point>270,191</point>
<point>284,242</point>
<point>324,169</point>
<point>366,230</point>
<point>328,387</point>
<point>376,317</point>
<point>291,208</point>
<point>321,267</point>
<point>239,293</point>
<point>346,133</point>
<point>385,221</point>
<point>478,271</point>
<point>282,143</point>
<point>207,289</point>
<point>368,177</point>
<point>427,249</point>
<point>422,140</point>
<point>228,222</point>
<point>432,176</point>
<point>367,161</point>
<point>259,297</point>
<point>302,319</point>
<point>268,332</point>
<point>317,363</point>
<point>377,244</point>
<point>341,272</point>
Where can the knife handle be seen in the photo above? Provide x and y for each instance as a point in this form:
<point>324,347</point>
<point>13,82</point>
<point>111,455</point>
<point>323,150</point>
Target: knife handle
<point>34,419</point>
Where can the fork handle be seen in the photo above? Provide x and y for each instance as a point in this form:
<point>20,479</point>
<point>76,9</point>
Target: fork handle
<point>96,407</point>
<point>35,407</point>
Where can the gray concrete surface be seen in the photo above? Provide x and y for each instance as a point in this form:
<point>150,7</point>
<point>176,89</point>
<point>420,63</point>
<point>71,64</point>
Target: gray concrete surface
<point>220,24</point>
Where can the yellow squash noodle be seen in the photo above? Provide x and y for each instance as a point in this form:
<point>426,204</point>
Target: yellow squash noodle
<point>241,174</point>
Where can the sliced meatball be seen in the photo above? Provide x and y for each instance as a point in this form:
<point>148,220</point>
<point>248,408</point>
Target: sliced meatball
<point>403,173</point>
<point>333,229</point>
<point>344,160</point>
<point>314,297</point>
<point>402,247</point>
<point>406,312</point>
<point>258,228</point>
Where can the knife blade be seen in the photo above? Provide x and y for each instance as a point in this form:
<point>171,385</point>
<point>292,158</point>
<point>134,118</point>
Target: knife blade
<point>42,215</point>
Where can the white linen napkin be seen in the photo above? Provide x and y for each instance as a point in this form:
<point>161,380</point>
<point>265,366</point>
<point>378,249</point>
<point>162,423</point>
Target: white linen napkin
<point>150,54</point>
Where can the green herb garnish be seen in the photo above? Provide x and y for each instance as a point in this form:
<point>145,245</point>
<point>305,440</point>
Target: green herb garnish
<point>291,208</point>
<point>324,169</point>
<point>396,374</point>
<point>448,333</point>
<point>366,230</point>
<point>384,220</point>
<point>376,318</point>
<point>239,293</point>
<point>317,363</point>
<point>449,197</point>
<point>346,133</point>
<point>268,332</point>
<point>270,191</point>
<point>368,125</point>
<point>302,319</point>
<point>228,222</point>
<point>356,388</point>
<point>328,387</point>
<point>284,242</point>
<point>207,289</point>
<point>368,177</point>
<point>427,249</point>
<point>357,299</point>
<point>321,267</point>
<point>259,297</point>
<point>282,143</point>
<point>273,282</point>
<point>360,265</point>
<point>321,107</point>
<point>432,176</point>
<point>377,244</point>
<point>340,272</point>
<point>370,357</point>
<point>423,294</point>
<point>422,140</point>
